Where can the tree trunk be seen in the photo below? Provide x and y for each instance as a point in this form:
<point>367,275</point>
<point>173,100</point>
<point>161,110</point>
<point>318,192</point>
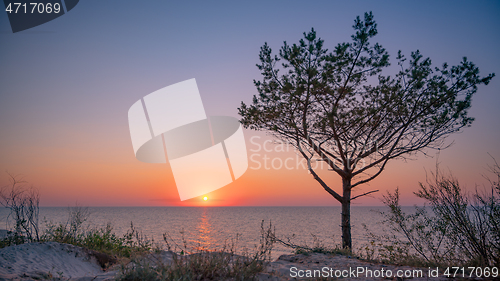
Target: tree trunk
<point>346,214</point>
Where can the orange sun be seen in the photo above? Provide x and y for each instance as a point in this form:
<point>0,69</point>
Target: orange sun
<point>205,198</point>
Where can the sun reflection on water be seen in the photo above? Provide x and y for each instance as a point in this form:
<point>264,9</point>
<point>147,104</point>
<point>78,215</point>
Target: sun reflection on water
<point>204,237</point>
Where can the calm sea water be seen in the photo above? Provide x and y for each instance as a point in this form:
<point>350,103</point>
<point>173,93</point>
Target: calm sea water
<point>211,227</point>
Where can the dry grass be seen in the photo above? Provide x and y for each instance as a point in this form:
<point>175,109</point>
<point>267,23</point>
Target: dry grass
<point>199,264</point>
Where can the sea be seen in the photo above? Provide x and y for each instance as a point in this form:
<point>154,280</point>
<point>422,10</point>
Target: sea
<point>213,228</point>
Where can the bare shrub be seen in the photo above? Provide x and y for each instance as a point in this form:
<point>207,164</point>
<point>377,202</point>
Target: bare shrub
<point>23,202</point>
<point>457,228</point>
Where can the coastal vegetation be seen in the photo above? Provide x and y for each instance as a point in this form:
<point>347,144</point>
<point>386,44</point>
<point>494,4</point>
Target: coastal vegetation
<point>454,228</point>
<point>137,256</point>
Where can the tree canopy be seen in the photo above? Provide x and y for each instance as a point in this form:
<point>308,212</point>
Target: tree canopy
<point>339,107</point>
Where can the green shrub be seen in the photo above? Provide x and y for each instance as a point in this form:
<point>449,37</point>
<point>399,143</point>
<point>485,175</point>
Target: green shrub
<point>102,240</point>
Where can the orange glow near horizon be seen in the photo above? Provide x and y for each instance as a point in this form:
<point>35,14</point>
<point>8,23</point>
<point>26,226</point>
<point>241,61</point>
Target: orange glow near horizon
<point>75,176</point>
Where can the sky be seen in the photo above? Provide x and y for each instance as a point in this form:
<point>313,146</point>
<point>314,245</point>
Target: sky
<point>66,87</point>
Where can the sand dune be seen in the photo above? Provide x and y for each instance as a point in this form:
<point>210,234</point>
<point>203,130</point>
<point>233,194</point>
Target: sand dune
<point>46,260</point>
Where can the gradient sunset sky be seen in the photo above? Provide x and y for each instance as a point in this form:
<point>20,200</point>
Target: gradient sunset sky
<point>66,87</point>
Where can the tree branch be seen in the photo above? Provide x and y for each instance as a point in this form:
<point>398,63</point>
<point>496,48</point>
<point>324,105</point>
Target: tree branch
<point>317,178</point>
<point>364,194</point>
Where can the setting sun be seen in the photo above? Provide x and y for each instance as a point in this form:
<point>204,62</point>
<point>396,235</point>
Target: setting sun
<point>205,198</point>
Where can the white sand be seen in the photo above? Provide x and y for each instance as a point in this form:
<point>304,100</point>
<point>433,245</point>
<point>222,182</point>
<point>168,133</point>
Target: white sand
<point>43,260</point>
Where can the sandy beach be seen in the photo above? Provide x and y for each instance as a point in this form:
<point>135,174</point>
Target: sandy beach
<point>47,260</point>
<point>52,260</point>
